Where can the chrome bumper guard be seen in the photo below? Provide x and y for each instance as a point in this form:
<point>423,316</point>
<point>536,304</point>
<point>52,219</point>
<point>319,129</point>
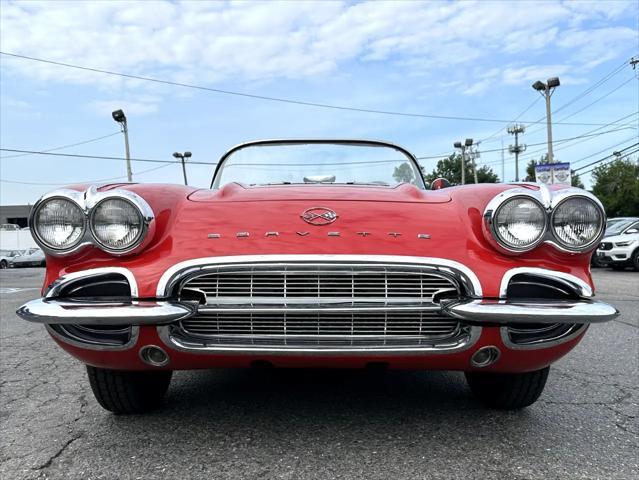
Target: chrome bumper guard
<point>83,312</point>
<point>513,312</point>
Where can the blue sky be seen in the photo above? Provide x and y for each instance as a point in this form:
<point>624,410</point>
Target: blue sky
<point>469,59</point>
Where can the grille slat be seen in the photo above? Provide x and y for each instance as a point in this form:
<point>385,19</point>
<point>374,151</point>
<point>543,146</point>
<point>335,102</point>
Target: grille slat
<point>285,305</point>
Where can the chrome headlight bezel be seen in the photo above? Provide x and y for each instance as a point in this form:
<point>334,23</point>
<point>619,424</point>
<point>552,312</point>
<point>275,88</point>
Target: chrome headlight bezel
<point>560,199</point>
<point>87,201</point>
<point>548,200</point>
<point>144,215</point>
<point>490,224</point>
<point>72,196</point>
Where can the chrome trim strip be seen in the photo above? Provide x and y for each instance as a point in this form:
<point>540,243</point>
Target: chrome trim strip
<point>546,343</point>
<point>530,311</point>
<point>459,344</point>
<point>580,287</point>
<point>135,333</point>
<point>64,280</point>
<point>172,274</point>
<point>103,313</point>
<point>310,308</point>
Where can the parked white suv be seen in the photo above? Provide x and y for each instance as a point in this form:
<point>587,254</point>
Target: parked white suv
<point>621,251</point>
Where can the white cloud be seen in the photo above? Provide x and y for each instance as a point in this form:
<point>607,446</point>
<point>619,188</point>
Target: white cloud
<point>209,42</point>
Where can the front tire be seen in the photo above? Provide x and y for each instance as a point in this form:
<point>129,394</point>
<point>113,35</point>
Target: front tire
<point>3,264</point>
<point>635,260</point>
<point>507,391</point>
<point>124,392</point>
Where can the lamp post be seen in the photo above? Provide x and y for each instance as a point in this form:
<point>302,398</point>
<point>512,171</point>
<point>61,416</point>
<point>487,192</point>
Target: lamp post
<point>182,156</point>
<point>462,147</point>
<point>119,117</point>
<point>547,89</point>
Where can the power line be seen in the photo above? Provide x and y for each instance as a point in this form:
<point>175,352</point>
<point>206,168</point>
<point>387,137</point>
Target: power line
<point>597,84</point>
<point>608,162</point>
<point>600,98</point>
<point>534,102</point>
<point>64,146</point>
<point>594,86</point>
<point>98,157</point>
<point>614,122</point>
<point>269,98</point>
<point>601,151</point>
<point>103,157</point>
<point>87,181</point>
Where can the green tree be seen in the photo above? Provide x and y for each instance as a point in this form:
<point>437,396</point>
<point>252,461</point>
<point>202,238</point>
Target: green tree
<point>450,169</point>
<point>404,173</point>
<point>616,184</point>
<point>530,172</point>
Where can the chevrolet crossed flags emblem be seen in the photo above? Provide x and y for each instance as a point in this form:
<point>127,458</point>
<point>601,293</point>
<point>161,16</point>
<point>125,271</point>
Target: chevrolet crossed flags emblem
<point>319,216</point>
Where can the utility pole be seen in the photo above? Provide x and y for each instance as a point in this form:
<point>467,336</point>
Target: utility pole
<point>503,161</point>
<point>515,130</point>
<point>474,155</point>
<point>462,147</point>
<point>182,156</point>
<point>546,90</point>
<point>119,117</point>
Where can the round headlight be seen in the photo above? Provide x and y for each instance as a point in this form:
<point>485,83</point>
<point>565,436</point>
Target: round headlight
<point>59,223</point>
<point>577,223</point>
<point>117,224</point>
<point>519,223</point>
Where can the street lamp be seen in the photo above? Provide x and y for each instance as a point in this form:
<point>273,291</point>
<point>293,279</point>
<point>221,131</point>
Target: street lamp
<point>547,89</point>
<point>463,146</point>
<point>118,116</point>
<point>182,156</point>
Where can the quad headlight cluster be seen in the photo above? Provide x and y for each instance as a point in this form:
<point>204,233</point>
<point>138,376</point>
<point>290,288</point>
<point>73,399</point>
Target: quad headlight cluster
<point>518,220</point>
<point>117,221</point>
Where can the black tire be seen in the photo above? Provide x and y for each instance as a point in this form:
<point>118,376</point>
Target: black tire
<point>635,260</point>
<point>508,391</point>
<point>124,392</point>
<point>4,264</point>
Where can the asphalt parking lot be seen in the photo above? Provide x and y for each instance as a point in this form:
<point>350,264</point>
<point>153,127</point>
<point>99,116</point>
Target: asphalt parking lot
<point>321,424</point>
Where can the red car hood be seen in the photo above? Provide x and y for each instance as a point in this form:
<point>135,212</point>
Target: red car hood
<point>235,192</point>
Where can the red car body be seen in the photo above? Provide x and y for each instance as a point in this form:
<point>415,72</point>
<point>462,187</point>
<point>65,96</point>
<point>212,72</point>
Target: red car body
<point>373,224</point>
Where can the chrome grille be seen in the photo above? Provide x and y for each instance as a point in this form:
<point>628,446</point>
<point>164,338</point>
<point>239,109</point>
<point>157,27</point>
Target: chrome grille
<point>319,304</point>
<point>352,282</point>
<point>324,324</point>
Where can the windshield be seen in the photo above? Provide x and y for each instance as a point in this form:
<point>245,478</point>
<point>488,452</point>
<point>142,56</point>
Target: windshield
<point>318,163</point>
<point>618,227</point>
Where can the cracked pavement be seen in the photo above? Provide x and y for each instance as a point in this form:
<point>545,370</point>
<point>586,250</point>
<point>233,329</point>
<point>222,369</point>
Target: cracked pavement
<point>321,424</point>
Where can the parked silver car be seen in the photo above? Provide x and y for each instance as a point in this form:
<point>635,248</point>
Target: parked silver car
<point>6,256</point>
<point>33,257</point>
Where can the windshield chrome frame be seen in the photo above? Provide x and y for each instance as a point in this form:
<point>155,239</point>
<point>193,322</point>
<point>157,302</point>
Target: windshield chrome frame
<point>319,141</point>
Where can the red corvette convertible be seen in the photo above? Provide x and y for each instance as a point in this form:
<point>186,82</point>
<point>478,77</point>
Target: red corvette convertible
<point>317,253</point>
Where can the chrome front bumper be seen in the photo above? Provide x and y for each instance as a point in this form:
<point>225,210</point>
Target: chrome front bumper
<point>513,312</point>
<point>82,312</point>
<point>475,311</point>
